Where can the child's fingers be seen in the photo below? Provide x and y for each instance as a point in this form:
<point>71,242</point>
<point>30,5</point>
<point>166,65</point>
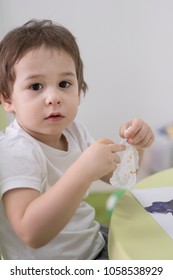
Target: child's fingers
<point>105,141</point>
<point>113,146</point>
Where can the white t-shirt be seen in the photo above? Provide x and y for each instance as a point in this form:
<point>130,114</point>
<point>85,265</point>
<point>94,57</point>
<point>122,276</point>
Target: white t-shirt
<point>26,162</point>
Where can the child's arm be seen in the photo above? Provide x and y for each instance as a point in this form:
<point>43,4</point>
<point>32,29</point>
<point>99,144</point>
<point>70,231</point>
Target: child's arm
<point>38,218</point>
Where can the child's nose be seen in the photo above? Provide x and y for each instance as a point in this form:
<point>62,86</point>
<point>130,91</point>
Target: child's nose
<point>53,98</point>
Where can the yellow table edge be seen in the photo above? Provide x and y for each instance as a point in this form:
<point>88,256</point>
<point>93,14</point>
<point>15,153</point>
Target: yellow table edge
<point>158,245</point>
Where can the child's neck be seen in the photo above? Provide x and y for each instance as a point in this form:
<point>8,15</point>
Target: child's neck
<point>60,144</point>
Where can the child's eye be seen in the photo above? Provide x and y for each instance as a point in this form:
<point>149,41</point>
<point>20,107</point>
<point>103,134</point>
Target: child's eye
<point>36,86</point>
<point>64,84</point>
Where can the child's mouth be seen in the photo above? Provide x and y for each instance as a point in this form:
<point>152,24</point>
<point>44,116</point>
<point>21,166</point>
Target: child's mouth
<point>55,117</point>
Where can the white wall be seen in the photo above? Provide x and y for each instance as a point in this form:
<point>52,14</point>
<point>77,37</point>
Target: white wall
<point>127,49</point>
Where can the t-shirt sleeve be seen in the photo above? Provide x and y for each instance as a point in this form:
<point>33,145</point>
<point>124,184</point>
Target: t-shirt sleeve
<point>21,164</point>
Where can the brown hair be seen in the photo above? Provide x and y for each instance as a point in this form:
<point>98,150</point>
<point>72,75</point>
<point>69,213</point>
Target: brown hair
<point>30,36</point>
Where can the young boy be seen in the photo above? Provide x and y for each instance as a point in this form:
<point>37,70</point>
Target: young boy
<point>48,160</point>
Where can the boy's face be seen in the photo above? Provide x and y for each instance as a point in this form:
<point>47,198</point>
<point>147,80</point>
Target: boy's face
<point>45,94</point>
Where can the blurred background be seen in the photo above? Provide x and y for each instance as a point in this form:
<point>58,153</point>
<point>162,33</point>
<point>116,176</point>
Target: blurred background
<point>127,50</point>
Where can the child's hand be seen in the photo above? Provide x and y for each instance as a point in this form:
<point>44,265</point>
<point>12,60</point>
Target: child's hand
<point>138,133</point>
<point>100,158</point>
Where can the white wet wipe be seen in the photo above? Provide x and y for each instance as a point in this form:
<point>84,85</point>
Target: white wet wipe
<point>125,174</point>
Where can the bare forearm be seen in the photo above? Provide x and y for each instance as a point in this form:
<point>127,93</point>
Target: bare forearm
<point>46,216</point>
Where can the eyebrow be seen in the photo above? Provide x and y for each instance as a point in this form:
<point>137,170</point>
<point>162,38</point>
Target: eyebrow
<point>68,74</point>
<point>35,76</point>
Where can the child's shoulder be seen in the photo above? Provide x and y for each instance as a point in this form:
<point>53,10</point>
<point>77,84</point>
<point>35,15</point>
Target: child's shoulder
<point>13,138</point>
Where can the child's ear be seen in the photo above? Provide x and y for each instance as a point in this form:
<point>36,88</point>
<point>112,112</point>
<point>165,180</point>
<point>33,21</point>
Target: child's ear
<point>7,104</point>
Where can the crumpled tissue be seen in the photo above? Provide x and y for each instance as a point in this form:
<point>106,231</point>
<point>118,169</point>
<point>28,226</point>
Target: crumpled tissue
<point>125,174</point>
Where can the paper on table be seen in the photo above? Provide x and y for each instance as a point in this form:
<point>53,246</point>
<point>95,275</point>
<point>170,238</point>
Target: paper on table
<point>159,203</point>
<point>125,175</point>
